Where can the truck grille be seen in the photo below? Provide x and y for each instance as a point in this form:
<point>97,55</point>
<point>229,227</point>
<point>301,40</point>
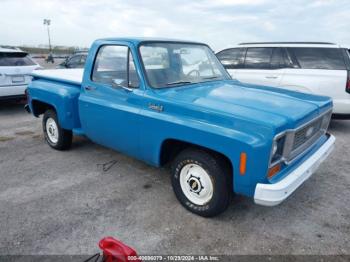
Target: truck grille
<point>298,140</point>
<point>306,133</point>
<point>303,137</point>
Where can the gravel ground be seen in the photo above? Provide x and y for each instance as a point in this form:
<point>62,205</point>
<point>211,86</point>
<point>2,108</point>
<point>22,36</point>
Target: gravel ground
<point>55,202</point>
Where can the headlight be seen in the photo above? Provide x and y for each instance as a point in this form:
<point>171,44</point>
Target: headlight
<point>274,148</point>
<point>325,121</point>
<point>277,149</point>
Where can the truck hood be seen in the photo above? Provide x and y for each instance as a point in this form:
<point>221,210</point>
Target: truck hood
<point>263,104</point>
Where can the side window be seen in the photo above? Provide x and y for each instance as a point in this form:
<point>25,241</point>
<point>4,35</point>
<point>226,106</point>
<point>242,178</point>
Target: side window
<point>83,60</point>
<point>258,58</point>
<point>289,59</point>
<point>319,58</point>
<point>232,58</point>
<point>277,59</point>
<point>73,61</point>
<point>346,56</point>
<point>113,66</point>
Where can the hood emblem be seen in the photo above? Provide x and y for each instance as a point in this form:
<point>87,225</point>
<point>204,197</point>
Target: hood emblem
<point>309,131</point>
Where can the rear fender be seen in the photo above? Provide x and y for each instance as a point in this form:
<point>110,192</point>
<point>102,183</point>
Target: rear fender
<point>62,97</point>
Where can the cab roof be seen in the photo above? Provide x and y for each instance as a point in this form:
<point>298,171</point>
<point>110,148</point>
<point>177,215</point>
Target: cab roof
<point>289,44</point>
<point>138,40</point>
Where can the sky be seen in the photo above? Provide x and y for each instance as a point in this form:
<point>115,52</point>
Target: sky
<point>219,23</point>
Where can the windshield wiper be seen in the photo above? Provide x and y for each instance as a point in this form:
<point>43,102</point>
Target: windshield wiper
<point>178,82</point>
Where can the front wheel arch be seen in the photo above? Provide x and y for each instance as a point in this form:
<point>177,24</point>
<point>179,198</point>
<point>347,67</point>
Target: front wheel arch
<point>171,148</point>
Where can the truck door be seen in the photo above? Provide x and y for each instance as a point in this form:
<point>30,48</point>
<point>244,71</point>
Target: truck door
<point>109,103</point>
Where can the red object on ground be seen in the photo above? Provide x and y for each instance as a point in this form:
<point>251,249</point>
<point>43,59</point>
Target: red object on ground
<point>116,251</point>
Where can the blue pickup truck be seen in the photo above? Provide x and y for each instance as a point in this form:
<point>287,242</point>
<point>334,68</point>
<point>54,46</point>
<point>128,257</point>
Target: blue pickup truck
<point>172,102</point>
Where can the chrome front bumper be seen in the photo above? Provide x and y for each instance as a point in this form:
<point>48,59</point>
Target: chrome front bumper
<point>273,194</point>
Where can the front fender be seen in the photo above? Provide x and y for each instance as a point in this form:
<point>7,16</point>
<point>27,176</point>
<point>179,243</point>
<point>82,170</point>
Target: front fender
<point>253,140</point>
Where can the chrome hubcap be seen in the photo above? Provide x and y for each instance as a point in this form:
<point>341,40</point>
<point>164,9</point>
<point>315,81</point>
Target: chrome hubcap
<point>196,184</point>
<point>52,130</point>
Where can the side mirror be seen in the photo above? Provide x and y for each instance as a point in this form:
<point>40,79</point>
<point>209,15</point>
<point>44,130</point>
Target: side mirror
<point>119,83</point>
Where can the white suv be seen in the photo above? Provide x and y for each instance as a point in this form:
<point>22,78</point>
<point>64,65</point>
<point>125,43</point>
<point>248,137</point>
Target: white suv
<point>15,67</point>
<point>310,67</point>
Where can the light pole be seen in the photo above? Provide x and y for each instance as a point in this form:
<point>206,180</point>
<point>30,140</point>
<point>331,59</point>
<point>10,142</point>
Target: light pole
<point>50,57</point>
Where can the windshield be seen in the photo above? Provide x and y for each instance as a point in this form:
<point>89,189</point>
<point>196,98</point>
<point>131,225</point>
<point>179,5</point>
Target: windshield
<point>171,64</point>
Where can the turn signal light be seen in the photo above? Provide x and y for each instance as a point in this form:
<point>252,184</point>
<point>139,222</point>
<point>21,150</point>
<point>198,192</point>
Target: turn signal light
<point>243,163</point>
<point>274,170</point>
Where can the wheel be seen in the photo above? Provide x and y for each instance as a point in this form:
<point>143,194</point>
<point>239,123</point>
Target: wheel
<point>57,137</point>
<point>201,182</point>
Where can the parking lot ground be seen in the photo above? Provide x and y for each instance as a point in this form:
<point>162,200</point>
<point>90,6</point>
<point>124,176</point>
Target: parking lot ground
<point>50,65</point>
<point>54,202</point>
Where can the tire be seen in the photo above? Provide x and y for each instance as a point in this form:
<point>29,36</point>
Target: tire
<point>57,137</point>
<point>193,193</point>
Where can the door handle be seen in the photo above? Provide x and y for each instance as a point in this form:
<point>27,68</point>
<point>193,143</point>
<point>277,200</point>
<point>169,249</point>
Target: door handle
<point>271,77</point>
<point>89,88</point>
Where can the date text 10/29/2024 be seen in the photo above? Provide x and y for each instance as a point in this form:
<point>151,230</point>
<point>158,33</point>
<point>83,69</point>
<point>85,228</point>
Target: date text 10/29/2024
<point>173,258</point>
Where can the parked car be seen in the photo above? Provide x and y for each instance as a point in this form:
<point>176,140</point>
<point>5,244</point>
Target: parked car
<point>221,136</point>
<point>75,61</point>
<point>15,67</point>
<point>317,68</point>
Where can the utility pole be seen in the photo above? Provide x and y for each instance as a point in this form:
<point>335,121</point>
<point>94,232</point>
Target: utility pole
<point>47,22</point>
